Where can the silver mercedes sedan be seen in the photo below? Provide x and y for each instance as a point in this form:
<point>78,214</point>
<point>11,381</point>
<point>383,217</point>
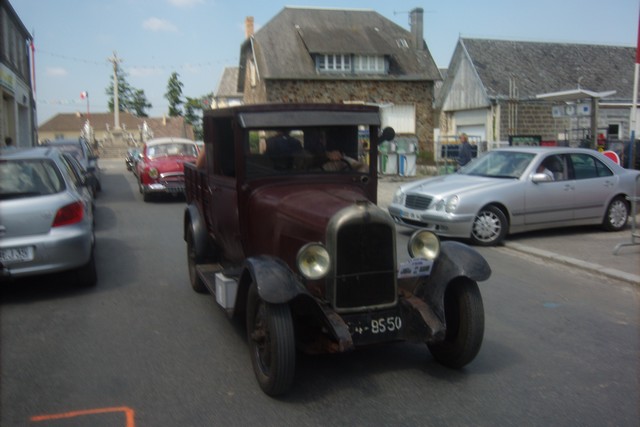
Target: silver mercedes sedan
<point>512,190</point>
<point>46,216</point>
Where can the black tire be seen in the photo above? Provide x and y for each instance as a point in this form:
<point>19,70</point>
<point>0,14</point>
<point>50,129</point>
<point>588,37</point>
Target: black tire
<point>464,314</point>
<point>192,260</point>
<point>489,227</point>
<point>617,214</point>
<point>271,343</point>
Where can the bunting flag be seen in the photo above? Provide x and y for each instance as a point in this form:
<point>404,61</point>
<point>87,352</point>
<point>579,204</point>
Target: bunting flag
<point>84,95</point>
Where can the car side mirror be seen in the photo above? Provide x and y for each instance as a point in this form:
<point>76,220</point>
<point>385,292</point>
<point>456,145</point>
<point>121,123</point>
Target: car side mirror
<point>537,178</point>
<point>388,134</point>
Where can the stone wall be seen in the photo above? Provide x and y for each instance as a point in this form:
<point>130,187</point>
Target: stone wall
<point>339,91</point>
<point>529,118</point>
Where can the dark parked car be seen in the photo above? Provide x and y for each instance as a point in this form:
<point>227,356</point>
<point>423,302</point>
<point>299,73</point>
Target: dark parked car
<point>282,226</point>
<point>46,218</point>
<point>131,158</point>
<point>82,151</point>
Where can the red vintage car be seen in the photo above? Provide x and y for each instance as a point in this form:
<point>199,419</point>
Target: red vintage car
<point>160,168</point>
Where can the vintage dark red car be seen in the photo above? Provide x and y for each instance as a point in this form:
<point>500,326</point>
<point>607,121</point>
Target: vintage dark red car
<point>282,226</point>
<point>160,168</point>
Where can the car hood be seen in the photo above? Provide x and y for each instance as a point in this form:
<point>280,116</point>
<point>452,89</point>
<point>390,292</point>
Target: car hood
<point>285,217</point>
<point>454,184</point>
<point>171,164</point>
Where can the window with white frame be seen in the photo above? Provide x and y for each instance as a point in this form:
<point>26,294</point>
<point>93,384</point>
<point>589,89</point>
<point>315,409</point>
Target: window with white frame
<point>333,63</point>
<point>370,64</point>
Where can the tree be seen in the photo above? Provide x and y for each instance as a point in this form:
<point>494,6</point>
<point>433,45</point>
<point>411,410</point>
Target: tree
<point>193,113</point>
<point>130,99</point>
<point>174,95</point>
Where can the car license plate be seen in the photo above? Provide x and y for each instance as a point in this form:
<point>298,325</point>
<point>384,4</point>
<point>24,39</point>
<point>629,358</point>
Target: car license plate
<point>410,215</point>
<point>12,255</point>
<point>375,327</point>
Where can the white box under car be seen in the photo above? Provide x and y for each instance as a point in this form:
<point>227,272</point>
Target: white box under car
<point>226,289</point>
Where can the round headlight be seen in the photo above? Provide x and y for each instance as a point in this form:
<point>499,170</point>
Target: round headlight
<point>153,173</point>
<point>424,244</point>
<point>313,261</point>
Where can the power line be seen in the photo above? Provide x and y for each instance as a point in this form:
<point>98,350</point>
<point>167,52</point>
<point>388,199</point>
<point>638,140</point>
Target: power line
<point>187,65</point>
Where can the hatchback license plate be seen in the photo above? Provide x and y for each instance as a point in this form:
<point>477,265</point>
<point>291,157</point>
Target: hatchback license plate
<point>16,254</point>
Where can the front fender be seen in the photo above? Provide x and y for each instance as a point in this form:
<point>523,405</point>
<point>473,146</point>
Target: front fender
<point>193,220</point>
<point>275,281</point>
<point>456,260</point>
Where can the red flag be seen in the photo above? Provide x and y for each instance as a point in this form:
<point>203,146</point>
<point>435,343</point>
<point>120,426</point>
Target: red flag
<point>84,95</point>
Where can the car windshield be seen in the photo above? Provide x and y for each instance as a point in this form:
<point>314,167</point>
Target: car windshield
<point>499,164</point>
<point>28,178</point>
<point>338,149</point>
<point>172,149</point>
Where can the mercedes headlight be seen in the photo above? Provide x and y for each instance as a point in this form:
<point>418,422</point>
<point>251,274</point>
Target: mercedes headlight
<point>153,173</point>
<point>398,197</point>
<point>313,261</point>
<point>451,204</point>
<point>424,244</point>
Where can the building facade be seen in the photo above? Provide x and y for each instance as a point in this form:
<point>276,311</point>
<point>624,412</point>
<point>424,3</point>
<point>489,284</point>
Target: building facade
<point>17,106</point>
<point>559,93</point>
<point>344,56</point>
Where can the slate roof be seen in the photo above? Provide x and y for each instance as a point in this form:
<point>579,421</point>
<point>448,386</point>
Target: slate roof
<point>551,67</point>
<point>228,84</point>
<point>161,126</point>
<point>283,47</point>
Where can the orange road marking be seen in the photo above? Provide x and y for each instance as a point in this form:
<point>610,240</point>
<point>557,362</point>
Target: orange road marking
<point>128,412</point>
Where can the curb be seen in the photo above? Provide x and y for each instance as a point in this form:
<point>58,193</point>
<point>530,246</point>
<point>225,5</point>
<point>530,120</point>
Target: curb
<point>587,266</point>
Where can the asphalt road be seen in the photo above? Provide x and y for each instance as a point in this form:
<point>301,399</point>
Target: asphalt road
<point>561,347</point>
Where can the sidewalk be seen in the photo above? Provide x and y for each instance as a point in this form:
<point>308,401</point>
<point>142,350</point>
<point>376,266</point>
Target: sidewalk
<point>587,248</point>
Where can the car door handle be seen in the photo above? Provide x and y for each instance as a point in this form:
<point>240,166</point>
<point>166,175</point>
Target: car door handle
<point>569,187</point>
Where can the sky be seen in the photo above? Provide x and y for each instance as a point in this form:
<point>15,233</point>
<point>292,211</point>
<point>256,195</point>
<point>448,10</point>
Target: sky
<point>197,39</point>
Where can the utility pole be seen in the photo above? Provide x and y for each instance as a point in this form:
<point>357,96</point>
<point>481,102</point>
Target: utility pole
<point>116,102</point>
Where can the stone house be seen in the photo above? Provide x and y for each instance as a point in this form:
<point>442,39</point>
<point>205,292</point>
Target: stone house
<point>226,94</point>
<point>342,55</point>
<point>561,93</point>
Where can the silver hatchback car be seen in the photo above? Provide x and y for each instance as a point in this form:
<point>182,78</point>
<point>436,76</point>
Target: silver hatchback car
<point>46,219</point>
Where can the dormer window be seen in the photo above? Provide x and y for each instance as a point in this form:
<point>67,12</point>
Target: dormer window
<point>357,64</point>
<point>333,63</point>
<point>370,64</point>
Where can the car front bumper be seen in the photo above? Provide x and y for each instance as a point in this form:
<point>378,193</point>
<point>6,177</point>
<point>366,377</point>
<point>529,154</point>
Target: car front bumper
<point>441,223</point>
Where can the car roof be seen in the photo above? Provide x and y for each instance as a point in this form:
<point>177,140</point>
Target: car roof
<point>167,140</point>
<point>28,153</point>
<point>545,150</point>
<point>70,141</point>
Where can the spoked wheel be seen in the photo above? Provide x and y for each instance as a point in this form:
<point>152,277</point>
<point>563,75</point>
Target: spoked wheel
<point>271,343</point>
<point>464,314</point>
<point>489,227</point>
<point>617,214</point>
<point>192,260</point>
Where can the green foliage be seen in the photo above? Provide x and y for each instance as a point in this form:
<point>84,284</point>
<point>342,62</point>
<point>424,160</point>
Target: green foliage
<point>174,95</point>
<point>130,99</point>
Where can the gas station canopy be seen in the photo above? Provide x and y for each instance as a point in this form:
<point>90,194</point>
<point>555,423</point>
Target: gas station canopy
<point>574,95</point>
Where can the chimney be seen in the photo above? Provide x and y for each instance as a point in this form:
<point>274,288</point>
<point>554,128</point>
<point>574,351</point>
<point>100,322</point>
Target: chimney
<point>248,26</point>
<point>416,17</point>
